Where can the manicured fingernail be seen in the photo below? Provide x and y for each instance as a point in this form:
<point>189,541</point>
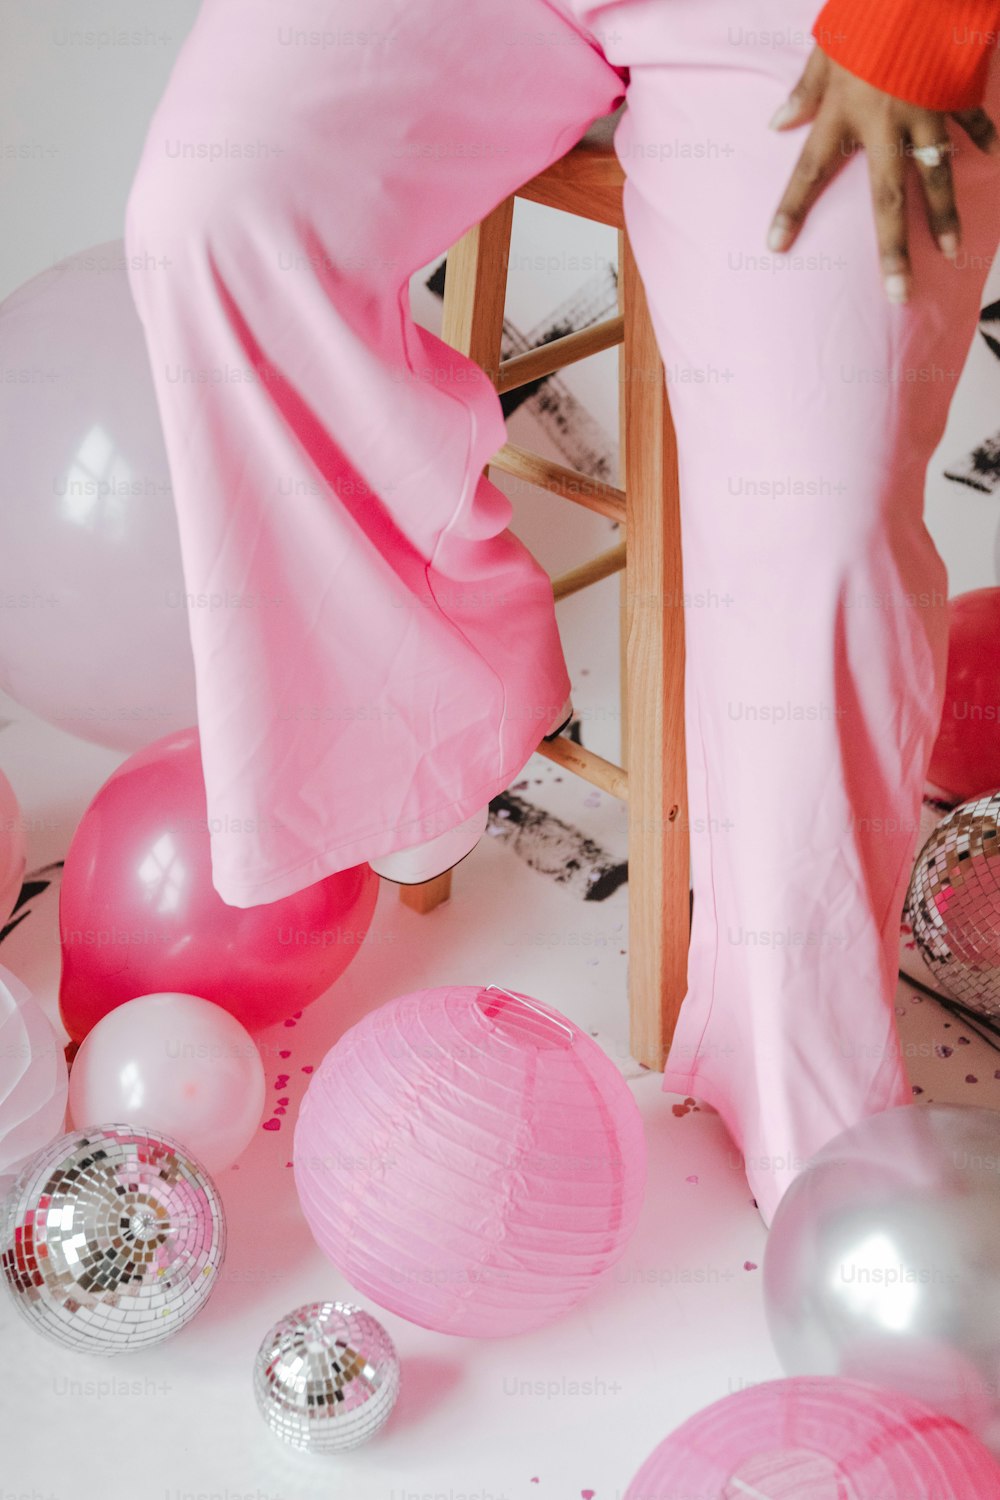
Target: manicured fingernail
<point>783,114</point>
<point>778,236</point>
<point>949,244</point>
<point>897,287</point>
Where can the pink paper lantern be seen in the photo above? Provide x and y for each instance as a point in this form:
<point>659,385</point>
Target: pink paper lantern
<point>33,1078</point>
<point>818,1438</point>
<point>470,1160</point>
<point>13,849</point>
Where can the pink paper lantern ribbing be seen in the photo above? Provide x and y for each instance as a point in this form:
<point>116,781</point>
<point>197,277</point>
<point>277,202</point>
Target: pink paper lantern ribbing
<point>818,1438</point>
<point>470,1160</point>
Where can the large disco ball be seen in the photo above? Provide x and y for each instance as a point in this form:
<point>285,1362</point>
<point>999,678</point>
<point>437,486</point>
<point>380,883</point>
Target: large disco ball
<point>112,1239</point>
<point>883,1261</point>
<point>953,904</point>
<point>326,1377</point>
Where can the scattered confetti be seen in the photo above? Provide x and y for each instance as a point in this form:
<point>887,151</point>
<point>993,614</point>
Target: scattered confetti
<point>284,1054</point>
<point>272,1125</point>
<point>308,1068</point>
<point>943,1051</point>
<point>749,1265</point>
<point>971,1078</point>
<point>692,1178</point>
<point>281,1082</point>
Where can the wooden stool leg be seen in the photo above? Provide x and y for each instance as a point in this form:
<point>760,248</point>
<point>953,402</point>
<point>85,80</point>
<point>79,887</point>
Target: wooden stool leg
<point>658,840</point>
<point>475,294</point>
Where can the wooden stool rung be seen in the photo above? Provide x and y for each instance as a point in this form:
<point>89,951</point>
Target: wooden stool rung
<point>547,358</point>
<point>594,494</point>
<point>590,572</point>
<point>584,763</point>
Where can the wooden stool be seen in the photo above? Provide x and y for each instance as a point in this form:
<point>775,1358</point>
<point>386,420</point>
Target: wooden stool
<point>588,183</point>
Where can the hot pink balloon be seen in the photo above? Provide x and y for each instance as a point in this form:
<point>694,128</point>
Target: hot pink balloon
<point>177,1065</point>
<point>818,1438</point>
<point>13,849</point>
<point>470,1160</point>
<point>96,638</point>
<point>138,913</point>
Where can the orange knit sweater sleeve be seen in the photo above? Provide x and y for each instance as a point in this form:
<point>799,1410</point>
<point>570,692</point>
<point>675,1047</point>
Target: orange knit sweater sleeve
<point>935,53</point>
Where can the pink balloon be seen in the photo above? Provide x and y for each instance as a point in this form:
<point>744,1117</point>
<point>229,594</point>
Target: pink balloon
<point>32,1078</point>
<point>818,1438</point>
<point>174,1064</point>
<point>138,913</point>
<point>470,1160</point>
<point>13,849</point>
<point>95,635</point>
<point>965,760</point>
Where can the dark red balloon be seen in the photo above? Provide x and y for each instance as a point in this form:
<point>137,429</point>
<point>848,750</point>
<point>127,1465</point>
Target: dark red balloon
<point>966,756</point>
<point>138,913</point>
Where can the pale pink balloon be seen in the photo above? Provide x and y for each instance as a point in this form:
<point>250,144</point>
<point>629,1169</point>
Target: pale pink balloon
<point>177,1064</point>
<point>32,1078</point>
<point>95,631</point>
<point>13,849</point>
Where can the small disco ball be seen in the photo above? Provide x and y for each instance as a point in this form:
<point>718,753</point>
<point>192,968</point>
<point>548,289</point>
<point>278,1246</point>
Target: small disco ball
<point>112,1239</point>
<point>326,1377</point>
<point>953,904</point>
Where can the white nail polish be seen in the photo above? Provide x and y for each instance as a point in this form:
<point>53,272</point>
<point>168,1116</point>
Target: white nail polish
<point>897,287</point>
<point>782,115</point>
<point>949,245</point>
<point>777,237</point>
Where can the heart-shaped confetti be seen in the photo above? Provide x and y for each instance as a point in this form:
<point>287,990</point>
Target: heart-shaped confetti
<point>692,1178</point>
<point>281,1082</point>
<point>281,1101</point>
<point>284,1054</point>
<point>272,1125</point>
<point>308,1068</point>
<point>280,1111</point>
<point>749,1265</point>
<point>971,1078</point>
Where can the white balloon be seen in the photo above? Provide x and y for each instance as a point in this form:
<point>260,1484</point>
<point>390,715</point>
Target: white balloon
<point>173,1063</point>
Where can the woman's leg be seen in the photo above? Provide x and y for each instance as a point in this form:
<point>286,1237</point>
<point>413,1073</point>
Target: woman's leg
<point>807,408</point>
<point>376,655</point>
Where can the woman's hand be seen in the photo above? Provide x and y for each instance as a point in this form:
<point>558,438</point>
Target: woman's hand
<point>848,114</point>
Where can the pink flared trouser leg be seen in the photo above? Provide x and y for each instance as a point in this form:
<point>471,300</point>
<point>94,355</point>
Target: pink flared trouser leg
<point>376,655</point>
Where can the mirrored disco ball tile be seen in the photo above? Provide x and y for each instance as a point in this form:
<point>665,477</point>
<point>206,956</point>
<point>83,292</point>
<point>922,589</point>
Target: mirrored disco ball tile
<point>112,1239</point>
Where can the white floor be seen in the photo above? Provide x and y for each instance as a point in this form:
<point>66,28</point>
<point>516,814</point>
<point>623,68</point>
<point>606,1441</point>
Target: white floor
<point>565,1413</point>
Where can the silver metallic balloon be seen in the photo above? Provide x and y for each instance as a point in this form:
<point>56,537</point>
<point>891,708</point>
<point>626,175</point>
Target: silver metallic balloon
<point>111,1239</point>
<point>326,1377</point>
<point>883,1260</point>
<point>953,904</point>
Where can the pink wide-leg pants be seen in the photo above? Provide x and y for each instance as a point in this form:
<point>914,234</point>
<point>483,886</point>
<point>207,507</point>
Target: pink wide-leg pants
<point>386,658</point>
